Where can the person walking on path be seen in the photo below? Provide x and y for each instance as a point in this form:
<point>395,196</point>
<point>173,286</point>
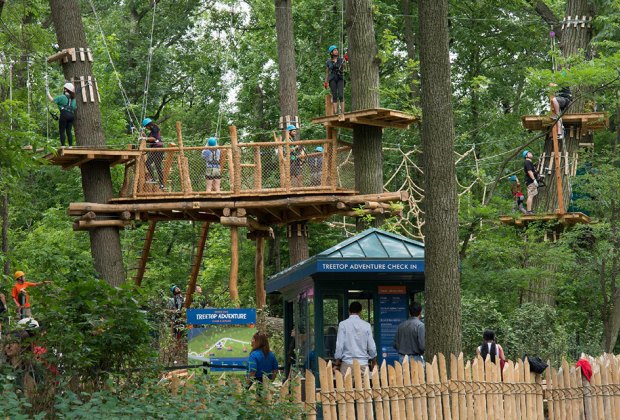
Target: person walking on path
<point>334,77</point>
<point>531,179</point>
<point>355,341</point>
<point>212,159</point>
<point>66,105</point>
<point>154,158</point>
<point>20,295</point>
<point>490,347</point>
<point>410,339</point>
<point>262,362</point>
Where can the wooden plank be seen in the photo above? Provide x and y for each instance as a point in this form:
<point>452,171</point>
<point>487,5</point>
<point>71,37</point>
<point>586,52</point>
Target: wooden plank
<point>340,394</point>
<point>79,162</point>
<point>259,273</point>
<point>236,160</point>
<point>82,55</point>
<point>383,374</point>
<point>398,382</point>
<point>58,56</point>
<point>310,395</point>
<point>377,394</point>
<point>323,383</point>
<point>91,89</point>
<point>360,404</point>
<point>258,170</point>
<point>83,89</point>
<point>377,123</point>
<point>443,378</point>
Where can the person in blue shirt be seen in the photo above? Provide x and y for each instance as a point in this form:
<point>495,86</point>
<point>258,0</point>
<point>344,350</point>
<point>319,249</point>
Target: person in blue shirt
<point>262,362</point>
<point>66,105</point>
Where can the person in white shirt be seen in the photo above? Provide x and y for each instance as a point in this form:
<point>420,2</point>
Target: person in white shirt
<point>355,341</point>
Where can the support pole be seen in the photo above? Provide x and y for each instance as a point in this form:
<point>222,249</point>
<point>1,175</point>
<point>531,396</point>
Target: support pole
<point>259,273</point>
<point>236,157</point>
<point>191,287</point>
<point>146,249</point>
<point>234,265</point>
<point>558,170</point>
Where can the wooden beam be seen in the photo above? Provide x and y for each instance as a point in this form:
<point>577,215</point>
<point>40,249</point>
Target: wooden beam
<point>146,249</point>
<point>234,265</point>
<point>234,221</point>
<point>378,123</point>
<point>191,287</point>
<point>236,160</point>
<point>59,55</point>
<point>94,224</point>
<point>79,162</point>
<point>259,273</point>
<point>558,172</point>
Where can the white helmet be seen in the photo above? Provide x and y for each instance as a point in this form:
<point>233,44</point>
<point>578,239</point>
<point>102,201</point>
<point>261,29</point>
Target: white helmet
<point>28,323</point>
<point>69,86</point>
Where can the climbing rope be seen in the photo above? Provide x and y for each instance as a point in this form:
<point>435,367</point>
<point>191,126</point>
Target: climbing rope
<point>147,79</point>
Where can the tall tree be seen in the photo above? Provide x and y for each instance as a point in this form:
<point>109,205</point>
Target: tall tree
<point>105,243</point>
<point>297,232</point>
<point>442,290</point>
<point>364,65</point>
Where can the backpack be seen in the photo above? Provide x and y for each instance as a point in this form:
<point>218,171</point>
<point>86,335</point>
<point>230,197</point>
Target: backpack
<point>537,365</point>
<point>68,107</point>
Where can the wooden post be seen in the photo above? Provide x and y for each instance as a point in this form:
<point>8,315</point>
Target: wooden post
<point>333,166</point>
<point>556,157</point>
<point>329,109</point>
<point>168,160</point>
<point>191,287</point>
<point>259,272</point>
<point>236,157</point>
<point>258,170</point>
<point>287,158</point>
<point>310,396</point>
<point>234,264</point>
<point>138,178</point>
<point>186,182</point>
<point>146,248</point>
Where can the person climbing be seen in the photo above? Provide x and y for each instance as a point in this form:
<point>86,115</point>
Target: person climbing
<point>334,77</point>
<point>297,153</point>
<point>20,296</point>
<point>517,194</point>
<point>67,106</point>
<point>154,158</point>
<point>315,161</point>
<point>176,306</point>
<point>531,179</point>
<point>560,102</point>
<point>212,159</point>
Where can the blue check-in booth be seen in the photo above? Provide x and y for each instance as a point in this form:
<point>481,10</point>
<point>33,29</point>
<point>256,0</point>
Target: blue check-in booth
<point>381,270</point>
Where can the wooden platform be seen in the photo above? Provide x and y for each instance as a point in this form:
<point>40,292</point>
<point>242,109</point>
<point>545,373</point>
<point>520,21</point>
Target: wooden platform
<point>376,117</point>
<point>565,219</point>
<point>591,121</point>
<point>70,158</point>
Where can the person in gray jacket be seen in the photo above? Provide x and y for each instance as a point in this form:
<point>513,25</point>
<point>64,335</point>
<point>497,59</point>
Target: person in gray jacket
<point>410,337</point>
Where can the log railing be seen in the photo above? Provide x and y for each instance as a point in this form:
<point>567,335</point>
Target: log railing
<point>277,167</point>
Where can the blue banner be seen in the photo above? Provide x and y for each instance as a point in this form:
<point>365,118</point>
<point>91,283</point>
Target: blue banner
<point>221,316</point>
<point>392,311</point>
<point>370,266</point>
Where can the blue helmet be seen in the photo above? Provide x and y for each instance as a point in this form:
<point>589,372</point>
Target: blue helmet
<point>290,127</point>
<point>174,286</point>
<point>524,154</point>
<point>319,149</point>
<point>332,48</point>
<point>512,178</point>
<point>146,122</point>
<point>212,141</point>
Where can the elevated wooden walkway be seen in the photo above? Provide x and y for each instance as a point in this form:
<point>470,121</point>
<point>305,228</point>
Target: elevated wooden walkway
<point>78,156</point>
<point>376,117</point>
<point>567,219</point>
<point>589,121</point>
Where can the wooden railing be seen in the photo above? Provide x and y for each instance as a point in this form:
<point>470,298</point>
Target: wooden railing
<point>262,168</point>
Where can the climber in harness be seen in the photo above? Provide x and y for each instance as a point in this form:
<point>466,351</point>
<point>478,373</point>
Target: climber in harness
<point>154,158</point>
<point>517,194</point>
<point>531,179</point>
<point>334,77</point>
<point>67,105</point>
<point>560,102</point>
<point>212,158</point>
<point>298,153</point>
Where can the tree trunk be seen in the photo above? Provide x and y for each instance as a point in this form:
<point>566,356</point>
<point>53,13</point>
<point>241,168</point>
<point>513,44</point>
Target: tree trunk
<point>5,234</point>
<point>575,40</point>
<point>105,243</point>
<point>442,288</point>
<point>364,67</point>
<point>410,44</point>
<point>297,245</point>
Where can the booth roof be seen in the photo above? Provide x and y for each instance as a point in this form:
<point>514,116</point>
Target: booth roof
<point>372,244</point>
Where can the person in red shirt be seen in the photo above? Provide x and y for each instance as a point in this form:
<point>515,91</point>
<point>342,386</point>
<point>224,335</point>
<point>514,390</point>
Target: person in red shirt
<point>20,296</point>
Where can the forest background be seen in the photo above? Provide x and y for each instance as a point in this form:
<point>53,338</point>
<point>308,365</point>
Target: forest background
<point>214,64</point>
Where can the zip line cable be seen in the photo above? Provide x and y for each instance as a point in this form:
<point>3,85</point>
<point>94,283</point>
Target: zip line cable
<point>147,79</point>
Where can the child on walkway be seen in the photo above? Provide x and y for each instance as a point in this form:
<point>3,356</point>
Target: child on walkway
<point>67,106</point>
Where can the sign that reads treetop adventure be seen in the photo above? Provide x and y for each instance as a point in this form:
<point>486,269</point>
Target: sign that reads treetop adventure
<point>370,266</point>
<point>224,339</point>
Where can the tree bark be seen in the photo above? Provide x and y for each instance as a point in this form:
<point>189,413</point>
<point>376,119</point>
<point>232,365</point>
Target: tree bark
<point>96,179</point>
<point>297,245</point>
<point>364,68</point>
<point>442,287</point>
<point>5,234</point>
<point>410,44</point>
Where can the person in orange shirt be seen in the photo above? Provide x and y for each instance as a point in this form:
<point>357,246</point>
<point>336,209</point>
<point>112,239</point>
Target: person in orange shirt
<point>20,296</point>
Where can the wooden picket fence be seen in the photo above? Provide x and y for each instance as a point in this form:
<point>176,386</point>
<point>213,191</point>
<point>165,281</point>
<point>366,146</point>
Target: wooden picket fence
<point>469,389</point>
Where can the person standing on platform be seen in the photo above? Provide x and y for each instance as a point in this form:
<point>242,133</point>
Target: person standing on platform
<point>410,339</point>
<point>334,77</point>
<point>212,159</point>
<point>315,161</point>
<point>297,155</point>
<point>67,106</point>
<point>355,341</point>
<point>531,179</point>
<point>154,158</point>
<point>20,296</point>
<point>517,194</point>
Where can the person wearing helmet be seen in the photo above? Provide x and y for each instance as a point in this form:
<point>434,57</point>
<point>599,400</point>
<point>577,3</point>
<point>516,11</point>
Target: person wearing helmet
<point>212,158</point>
<point>20,296</point>
<point>334,78</point>
<point>4,311</point>
<point>531,179</point>
<point>315,161</point>
<point>66,105</point>
<point>297,154</point>
<point>176,306</point>
<point>154,158</point>
<point>517,194</point>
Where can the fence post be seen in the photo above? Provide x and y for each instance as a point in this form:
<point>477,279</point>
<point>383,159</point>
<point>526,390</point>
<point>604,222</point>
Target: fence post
<point>377,393</point>
<point>443,379</point>
<point>454,385</point>
<point>359,390</point>
<point>236,158</point>
<point>310,404</point>
<point>325,402</point>
<point>186,182</point>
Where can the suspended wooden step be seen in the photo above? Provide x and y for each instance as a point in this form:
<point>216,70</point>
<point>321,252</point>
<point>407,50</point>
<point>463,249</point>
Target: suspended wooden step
<point>376,117</point>
<point>590,121</point>
<point>568,219</point>
<point>70,158</point>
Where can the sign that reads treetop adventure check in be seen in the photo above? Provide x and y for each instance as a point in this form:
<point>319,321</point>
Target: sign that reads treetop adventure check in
<point>370,266</point>
<point>224,339</point>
